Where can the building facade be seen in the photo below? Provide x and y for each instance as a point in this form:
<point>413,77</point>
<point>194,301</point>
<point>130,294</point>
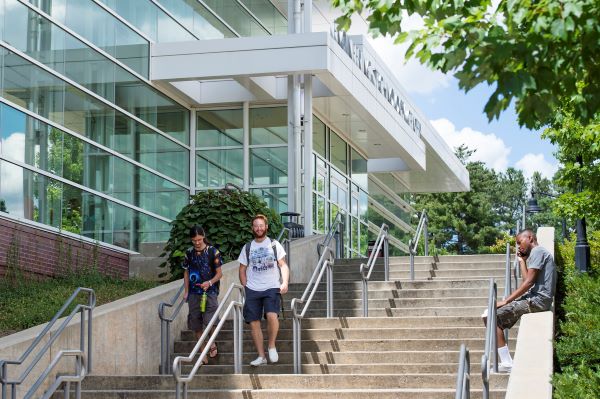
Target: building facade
<point>113,112</point>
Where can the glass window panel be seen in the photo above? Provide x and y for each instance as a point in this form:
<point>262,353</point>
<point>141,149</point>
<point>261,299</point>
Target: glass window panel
<point>268,165</point>
<point>217,168</point>
<point>359,169</point>
<point>363,205</point>
<point>319,137</point>
<point>151,20</point>
<point>275,197</point>
<point>35,89</point>
<point>268,125</point>
<point>197,18</point>
<point>268,14</point>
<point>237,17</point>
<point>339,155</point>
<point>101,28</point>
<point>33,142</point>
<point>220,128</point>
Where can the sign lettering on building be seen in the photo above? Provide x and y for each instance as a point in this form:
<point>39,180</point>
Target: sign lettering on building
<point>367,67</point>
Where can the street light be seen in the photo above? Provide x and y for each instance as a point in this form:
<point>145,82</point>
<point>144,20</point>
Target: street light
<point>533,207</point>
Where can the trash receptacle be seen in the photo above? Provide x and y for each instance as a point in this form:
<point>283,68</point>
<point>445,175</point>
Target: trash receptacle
<point>371,248</point>
<point>296,229</point>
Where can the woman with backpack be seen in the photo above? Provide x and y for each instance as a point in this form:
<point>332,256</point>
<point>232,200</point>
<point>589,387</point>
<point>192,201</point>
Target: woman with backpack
<point>202,272</point>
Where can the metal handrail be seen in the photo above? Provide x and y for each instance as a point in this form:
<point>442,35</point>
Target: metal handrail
<point>165,329</point>
<point>4,380</point>
<point>367,269</point>
<point>413,243</point>
<point>463,378</point>
<point>337,227</point>
<point>233,306</point>
<point>67,379</point>
<point>325,264</point>
<point>507,282</point>
<point>489,359</point>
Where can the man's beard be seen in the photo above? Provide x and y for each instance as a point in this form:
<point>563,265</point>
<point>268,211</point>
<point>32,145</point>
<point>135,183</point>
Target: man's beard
<point>264,233</point>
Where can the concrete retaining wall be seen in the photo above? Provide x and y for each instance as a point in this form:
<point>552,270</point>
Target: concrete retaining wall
<point>533,363</point>
<point>126,333</point>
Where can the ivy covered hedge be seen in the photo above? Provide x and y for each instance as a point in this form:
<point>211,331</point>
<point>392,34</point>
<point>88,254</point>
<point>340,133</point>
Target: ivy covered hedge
<point>225,216</point>
<point>577,372</point>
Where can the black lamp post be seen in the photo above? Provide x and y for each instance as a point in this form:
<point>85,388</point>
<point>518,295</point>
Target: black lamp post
<point>582,248</point>
<point>533,207</point>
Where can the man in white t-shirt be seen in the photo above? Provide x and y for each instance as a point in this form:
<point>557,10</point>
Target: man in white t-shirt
<point>263,282</point>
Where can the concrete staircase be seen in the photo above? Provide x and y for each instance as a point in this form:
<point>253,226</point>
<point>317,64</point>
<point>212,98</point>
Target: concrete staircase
<point>407,348</point>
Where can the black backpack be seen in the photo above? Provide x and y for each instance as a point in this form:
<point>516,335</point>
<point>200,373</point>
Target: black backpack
<point>212,254</point>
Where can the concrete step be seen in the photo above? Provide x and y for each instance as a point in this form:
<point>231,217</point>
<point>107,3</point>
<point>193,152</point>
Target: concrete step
<point>401,393</point>
<point>380,274</point>
<point>381,368</point>
<point>399,302</point>
<point>374,322</point>
<point>285,381</point>
<point>403,312</point>
<point>360,333</point>
<point>350,345</point>
<point>401,293</point>
<point>468,273</point>
<point>481,282</point>
<point>354,357</point>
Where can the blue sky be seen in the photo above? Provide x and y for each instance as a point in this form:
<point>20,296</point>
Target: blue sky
<point>459,117</point>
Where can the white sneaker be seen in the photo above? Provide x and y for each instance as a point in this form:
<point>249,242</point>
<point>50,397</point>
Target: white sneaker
<point>259,361</point>
<point>504,368</point>
<point>273,356</point>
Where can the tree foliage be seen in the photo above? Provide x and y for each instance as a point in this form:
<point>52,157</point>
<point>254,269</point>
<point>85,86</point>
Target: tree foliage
<point>579,173</point>
<point>225,216</point>
<point>537,53</point>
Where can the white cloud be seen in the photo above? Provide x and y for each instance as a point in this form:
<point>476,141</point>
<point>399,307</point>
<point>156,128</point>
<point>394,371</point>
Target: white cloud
<point>531,163</point>
<point>413,76</point>
<point>490,149</point>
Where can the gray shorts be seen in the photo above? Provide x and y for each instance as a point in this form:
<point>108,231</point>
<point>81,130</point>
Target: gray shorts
<point>197,321</point>
<point>510,313</point>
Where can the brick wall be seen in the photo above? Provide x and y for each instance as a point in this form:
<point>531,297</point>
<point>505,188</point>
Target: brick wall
<point>46,253</point>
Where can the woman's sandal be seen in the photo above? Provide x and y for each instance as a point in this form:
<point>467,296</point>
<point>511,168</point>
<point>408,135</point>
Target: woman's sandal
<point>213,352</point>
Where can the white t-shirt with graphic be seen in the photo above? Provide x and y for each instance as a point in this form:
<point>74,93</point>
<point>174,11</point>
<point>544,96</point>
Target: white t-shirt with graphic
<point>262,272</point>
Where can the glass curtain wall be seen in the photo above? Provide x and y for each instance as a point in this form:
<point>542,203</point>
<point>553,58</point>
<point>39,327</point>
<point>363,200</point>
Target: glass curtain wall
<point>99,27</point>
<point>339,186</point>
<point>269,155</point>
<point>87,145</point>
<point>219,148</point>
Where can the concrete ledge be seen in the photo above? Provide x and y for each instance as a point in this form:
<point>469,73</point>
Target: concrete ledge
<point>533,363</point>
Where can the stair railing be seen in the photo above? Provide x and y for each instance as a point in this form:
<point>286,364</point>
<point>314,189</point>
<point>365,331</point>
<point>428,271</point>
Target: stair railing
<point>366,269</point>
<point>234,308</point>
<point>83,356</point>
<point>507,282</point>
<point>463,378</point>
<point>324,265</point>
<point>413,243</point>
<point>336,229</point>
<point>165,329</point>
<point>489,359</point>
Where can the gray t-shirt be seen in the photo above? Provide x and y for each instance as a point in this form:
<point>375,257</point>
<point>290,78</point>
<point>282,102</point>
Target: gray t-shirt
<point>543,289</point>
<point>262,272</point>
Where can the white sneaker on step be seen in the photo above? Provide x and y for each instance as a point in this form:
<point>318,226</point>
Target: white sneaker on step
<point>259,361</point>
<point>504,368</point>
<point>273,356</point>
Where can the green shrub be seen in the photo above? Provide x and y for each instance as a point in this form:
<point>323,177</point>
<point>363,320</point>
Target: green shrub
<point>499,246</point>
<point>578,311</point>
<point>225,215</point>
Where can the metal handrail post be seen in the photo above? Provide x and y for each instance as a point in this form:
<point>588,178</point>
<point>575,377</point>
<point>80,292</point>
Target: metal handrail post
<point>426,235</point>
<point>507,283</point>
<point>463,378</point>
<point>490,353</point>
<point>165,329</point>
<point>386,258</point>
<point>329,290</point>
<point>365,297</point>
<point>412,259</point>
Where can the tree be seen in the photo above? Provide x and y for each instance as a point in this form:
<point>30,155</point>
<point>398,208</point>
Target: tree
<point>226,216</point>
<point>579,156</point>
<point>464,222</point>
<point>537,53</point>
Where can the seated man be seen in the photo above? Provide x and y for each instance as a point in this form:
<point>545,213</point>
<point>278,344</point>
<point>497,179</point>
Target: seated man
<point>535,294</point>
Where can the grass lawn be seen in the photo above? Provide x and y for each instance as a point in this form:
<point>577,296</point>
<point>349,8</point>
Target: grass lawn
<point>28,303</point>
